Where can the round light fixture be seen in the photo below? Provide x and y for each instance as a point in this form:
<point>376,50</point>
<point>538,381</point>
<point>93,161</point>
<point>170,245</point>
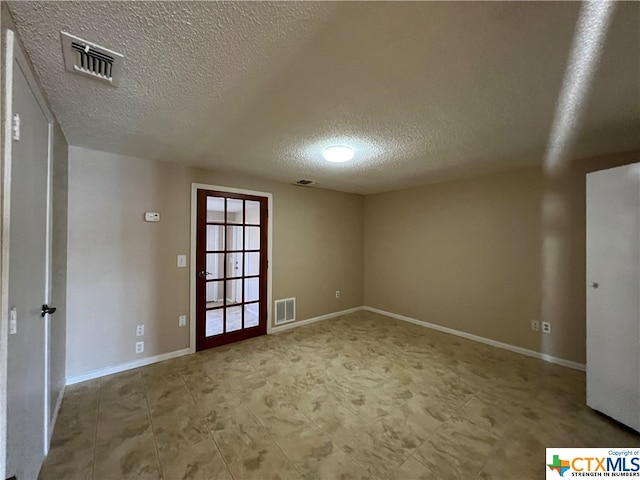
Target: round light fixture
<point>338,153</point>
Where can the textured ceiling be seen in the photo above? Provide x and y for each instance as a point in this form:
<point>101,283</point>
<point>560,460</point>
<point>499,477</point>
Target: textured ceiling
<point>424,91</point>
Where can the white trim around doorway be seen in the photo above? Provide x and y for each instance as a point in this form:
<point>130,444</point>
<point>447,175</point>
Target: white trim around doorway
<point>192,266</point>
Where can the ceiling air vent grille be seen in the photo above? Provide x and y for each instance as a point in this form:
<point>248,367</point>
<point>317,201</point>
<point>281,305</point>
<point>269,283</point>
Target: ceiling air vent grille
<point>89,59</point>
<point>285,310</point>
<point>305,183</point>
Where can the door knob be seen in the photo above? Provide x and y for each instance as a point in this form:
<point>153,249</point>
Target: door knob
<point>47,309</point>
<point>594,285</point>
<point>203,274</point>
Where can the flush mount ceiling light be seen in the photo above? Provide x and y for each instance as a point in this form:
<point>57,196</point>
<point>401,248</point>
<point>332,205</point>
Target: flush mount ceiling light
<point>338,153</point>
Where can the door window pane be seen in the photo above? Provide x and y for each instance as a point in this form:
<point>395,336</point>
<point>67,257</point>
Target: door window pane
<point>252,212</point>
<point>215,266</point>
<point>234,318</point>
<point>214,322</point>
<point>234,238</point>
<point>215,237</point>
<point>234,268</point>
<point>215,294</point>
<point>252,238</point>
<point>252,263</point>
<point>234,291</point>
<point>251,315</point>
<point>215,209</point>
<point>235,211</point>
<point>251,289</point>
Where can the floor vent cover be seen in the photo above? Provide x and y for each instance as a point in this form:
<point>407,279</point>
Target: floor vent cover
<point>285,310</point>
<point>89,59</point>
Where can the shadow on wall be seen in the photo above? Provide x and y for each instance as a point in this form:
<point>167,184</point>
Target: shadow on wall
<point>563,202</point>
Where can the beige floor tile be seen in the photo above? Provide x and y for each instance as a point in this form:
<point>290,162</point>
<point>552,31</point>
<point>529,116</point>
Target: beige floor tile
<point>73,462</point>
<point>411,424</point>
<point>123,427</point>
<point>237,432</point>
<point>262,462</point>
<point>188,462</point>
<point>279,418</point>
<point>331,416</point>
<point>159,385</point>
<point>485,416</point>
<point>336,466</point>
<point>519,454</point>
<point>458,450</point>
<point>185,427</point>
<point>305,446</point>
<point>377,453</point>
<point>442,401</point>
<point>414,470</point>
<point>215,403</point>
<point>127,457</point>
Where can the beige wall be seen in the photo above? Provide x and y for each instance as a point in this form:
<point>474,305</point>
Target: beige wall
<point>470,255</point>
<point>122,271</point>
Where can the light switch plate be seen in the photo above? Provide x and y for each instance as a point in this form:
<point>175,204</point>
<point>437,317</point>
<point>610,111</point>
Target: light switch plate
<point>151,217</point>
<point>182,321</point>
<point>182,261</point>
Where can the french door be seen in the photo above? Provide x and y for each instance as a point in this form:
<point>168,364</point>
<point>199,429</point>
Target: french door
<point>231,267</point>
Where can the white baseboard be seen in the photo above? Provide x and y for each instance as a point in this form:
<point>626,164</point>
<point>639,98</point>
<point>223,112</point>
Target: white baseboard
<point>101,372</point>
<point>288,326</point>
<point>487,341</point>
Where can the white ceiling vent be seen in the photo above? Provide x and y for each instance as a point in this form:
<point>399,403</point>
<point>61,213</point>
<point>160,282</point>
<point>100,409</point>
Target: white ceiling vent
<point>285,310</point>
<point>89,59</point>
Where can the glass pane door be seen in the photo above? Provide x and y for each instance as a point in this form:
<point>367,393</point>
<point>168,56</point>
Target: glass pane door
<point>231,268</point>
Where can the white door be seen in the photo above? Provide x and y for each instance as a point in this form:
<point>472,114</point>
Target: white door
<point>27,382</point>
<point>613,293</point>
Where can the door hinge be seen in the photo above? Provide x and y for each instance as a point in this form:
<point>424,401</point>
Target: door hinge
<point>16,127</point>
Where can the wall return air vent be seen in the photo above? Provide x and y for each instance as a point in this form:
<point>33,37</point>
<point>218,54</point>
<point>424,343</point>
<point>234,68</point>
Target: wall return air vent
<point>285,310</point>
<point>86,58</point>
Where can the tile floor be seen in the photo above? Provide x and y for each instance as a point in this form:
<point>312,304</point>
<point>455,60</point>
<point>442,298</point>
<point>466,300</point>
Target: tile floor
<point>359,396</point>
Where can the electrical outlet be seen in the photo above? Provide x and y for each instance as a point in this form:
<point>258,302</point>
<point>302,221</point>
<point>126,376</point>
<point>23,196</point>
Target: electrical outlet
<point>535,325</point>
<point>337,293</point>
<point>546,327</point>
<point>139,330</point>
<point>139,347</point>
<point>151,217</point>
<point>182,321</point>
